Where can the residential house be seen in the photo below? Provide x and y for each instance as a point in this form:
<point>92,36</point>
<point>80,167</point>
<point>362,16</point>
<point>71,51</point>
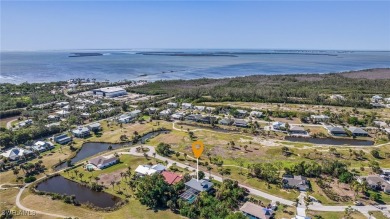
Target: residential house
<point>254,211</point>
<point>376,183</point>
<point>358,131</point>
<point>225,121</point>
<point>17,153</point>
<point>62,139</point>
<point>171,178</point>
<point>298,131</point>
<point>200,108</point>
<point>210,109</point>
<point>94,127</point>
<point>337,97</point>
<point>81,132</point>
<point>124,118</point>
<point>256,114</point>
<point>151,110</point>
<point>165,113</point>
<point>295,182</point>
<point>241,113</point>
<point>186,106</point>
<point>135,113</point>
<point>278,126</point>
<point>194,187</point>
<point>240,123</point>
<point>376,98</point>
<point>102,162</point>
<point>25,123</point>
<point>208,119</point>
<point>53,118</point>
<point>336,131</point>
<point>62,104</point>
<point>319,118</point>
<point>85,115</point>
<point>194,117</point>
<point>172,105</point>
<point>381,124</point>
<point>41,146</point>
<point>177,116</point>
<point>143,170</point>
<point>62,113</point>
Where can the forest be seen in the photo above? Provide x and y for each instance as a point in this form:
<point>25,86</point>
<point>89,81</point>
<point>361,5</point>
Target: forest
<point>303,89</point>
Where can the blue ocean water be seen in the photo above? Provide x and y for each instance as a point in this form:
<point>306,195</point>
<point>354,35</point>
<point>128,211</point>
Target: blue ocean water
<point>115,65</point>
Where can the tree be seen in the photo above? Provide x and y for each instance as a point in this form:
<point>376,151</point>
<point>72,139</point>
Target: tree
<point>163,149</point>
<point>375,153</point>
<point>201,174</point>
<point>236,215</point>
<point>177,154</point>
<point>153,191</point>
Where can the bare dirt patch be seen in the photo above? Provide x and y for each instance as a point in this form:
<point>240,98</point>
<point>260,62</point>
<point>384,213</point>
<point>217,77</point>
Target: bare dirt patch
<point>377,73</point>
<point>107,178</point>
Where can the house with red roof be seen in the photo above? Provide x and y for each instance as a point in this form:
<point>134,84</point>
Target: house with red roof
<point>171,178</point>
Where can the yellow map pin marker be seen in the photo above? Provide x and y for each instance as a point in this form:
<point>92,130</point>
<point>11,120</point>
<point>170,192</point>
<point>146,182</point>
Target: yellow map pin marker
<point>197,148</point>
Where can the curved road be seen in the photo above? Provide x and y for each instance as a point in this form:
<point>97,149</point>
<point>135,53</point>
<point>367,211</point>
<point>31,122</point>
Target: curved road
<point>315,207</point>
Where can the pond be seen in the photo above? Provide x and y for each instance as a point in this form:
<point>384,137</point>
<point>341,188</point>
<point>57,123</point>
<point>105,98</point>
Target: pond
<point>83,194</point>
<point>331,141</point>
<point>92,148</point>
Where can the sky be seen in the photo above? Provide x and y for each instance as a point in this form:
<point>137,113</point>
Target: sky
<point>329,25</point>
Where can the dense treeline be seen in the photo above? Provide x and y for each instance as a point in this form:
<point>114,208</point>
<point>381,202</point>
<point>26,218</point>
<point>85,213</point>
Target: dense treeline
<point>309,89</point>
<point>21,136</point>
<point>23,95</point>
<point>9,113</point>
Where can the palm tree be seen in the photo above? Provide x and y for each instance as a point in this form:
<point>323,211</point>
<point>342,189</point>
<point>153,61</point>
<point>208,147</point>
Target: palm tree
<point>81,176</point>
<point>113,184</point>
<point>185,156</point>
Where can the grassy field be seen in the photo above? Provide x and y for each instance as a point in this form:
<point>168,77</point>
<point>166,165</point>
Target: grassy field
<point>133,209</point>
<point>378,215</point>
<point>334,215</point>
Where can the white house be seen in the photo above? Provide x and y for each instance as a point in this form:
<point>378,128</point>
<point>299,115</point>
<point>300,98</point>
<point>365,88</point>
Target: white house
<point>376,98</point>
<point>125,118</point>
<point>278,125</point>
<point>177,116</point>
<point>337,97</point>
<point>256,114</point>
<point>41,146</point>
<point>16,153</point>
<point>165,113</point>
<point>185,106</point>
<point>81,132</point>
<point>110,92</point>
<point>62,113</point>
<point>172,105</point>
<point>143,170</point>
<point>102,162</point>
<point>200,108</point>
<point>319,118</point>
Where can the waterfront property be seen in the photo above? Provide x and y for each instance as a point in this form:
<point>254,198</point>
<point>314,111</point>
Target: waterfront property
<point>102,162</point>
<point>297,131</point>
<point>62,139</point>
<point>358,131</point>
<point>254,211</point>
<point>336,131</point>
<point>81,132</point>
<point>194,187</point>
<point>110,92</point>
<point>295,182</point>
<point>225,121</point>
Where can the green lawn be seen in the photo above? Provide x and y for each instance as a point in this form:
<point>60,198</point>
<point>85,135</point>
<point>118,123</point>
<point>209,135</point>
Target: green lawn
<point>333,215</point>
<point>378,215</point>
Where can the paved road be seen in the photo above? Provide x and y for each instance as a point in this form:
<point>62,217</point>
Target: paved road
<point>315,207</point>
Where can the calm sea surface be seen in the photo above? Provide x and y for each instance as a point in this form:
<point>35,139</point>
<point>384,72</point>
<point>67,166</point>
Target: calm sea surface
<point>114,65</point>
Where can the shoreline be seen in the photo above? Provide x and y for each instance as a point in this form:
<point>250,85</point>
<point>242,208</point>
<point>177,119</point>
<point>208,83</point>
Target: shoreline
<point>366,73</point>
